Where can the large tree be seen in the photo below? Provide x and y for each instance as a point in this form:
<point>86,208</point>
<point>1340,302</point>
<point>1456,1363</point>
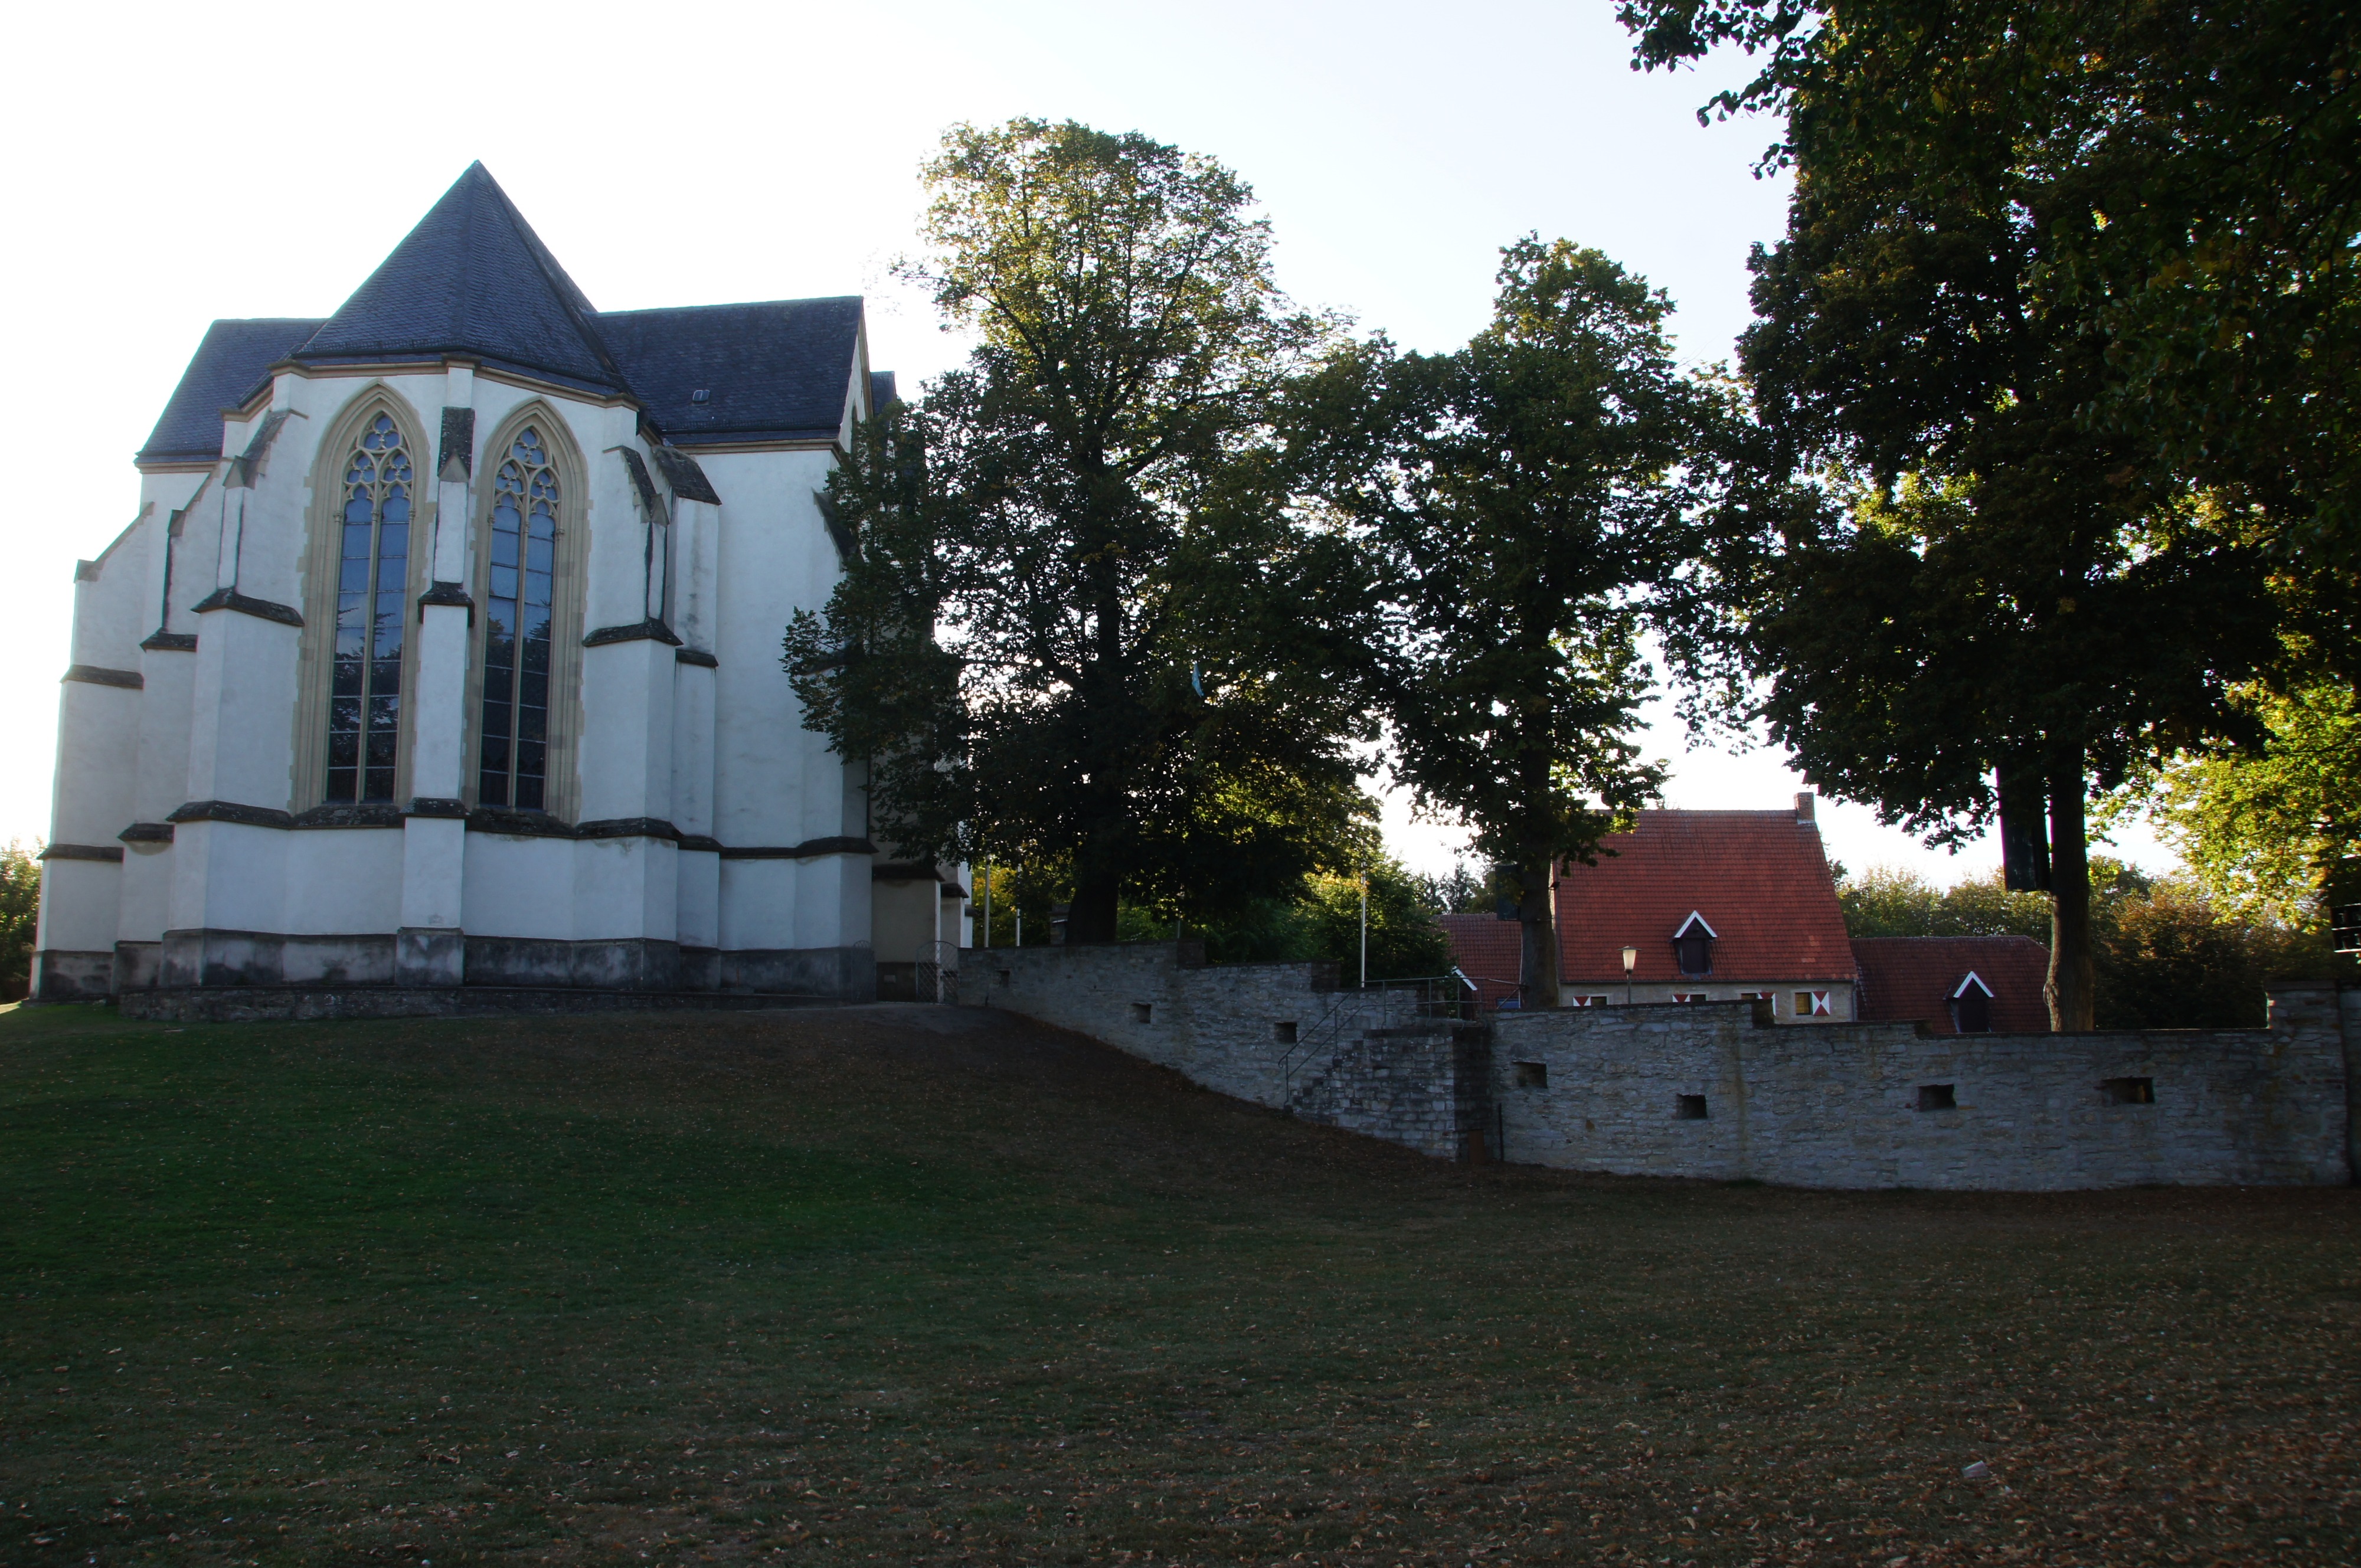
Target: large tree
<point>1530,499</point>
<point>2195,173</point>
<point>1958,571</point>
<point>1078,625</point>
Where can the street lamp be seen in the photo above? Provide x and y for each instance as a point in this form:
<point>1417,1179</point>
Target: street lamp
<point>1631,962</point>
<point>1365,930</point>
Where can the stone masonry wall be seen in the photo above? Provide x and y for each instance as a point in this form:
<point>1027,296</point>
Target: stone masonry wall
<point>1249,1030</point>
<point>1863,1106</point>
<point>1834,1104</point>
<point>1421,1084</point>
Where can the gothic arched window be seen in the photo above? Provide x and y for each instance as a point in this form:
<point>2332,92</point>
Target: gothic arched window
<point>513,758</point>
<point>365,673</point>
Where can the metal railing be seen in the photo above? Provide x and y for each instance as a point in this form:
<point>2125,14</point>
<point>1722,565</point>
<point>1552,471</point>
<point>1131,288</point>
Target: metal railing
<point>936,979</point>
<point>1381,1004</point>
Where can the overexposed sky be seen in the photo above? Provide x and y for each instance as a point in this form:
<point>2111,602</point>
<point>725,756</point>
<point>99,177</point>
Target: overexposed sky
<point>175,164</point>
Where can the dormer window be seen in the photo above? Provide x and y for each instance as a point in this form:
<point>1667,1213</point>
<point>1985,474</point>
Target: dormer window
<point>1693,947</point>
<point>1971,1002</point>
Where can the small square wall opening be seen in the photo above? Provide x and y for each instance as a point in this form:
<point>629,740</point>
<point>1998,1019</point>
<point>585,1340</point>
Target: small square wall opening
<point>1689,1108</point>
<point>2128,1091</point>
<point>1143,1013</point>
<point>1283,1031</point>
<point>1008,977</point>
<point>1938,1097</point>
<point>1532,1075</point>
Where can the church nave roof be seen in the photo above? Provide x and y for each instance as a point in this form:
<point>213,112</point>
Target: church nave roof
<point>473,280</point>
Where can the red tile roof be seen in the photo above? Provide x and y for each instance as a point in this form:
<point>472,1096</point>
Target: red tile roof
<point>1484,946</point>
<point>1759,878</point>
<point>1913,977</point>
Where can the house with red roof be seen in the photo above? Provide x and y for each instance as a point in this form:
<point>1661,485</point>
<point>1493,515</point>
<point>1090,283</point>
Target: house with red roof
<point>1731,905</point>
<point>1955,985</point>
<point>1714,906</point>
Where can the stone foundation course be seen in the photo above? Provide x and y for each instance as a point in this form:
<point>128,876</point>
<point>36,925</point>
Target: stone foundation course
<point>253,1004</point>
<point>1716,1091</point>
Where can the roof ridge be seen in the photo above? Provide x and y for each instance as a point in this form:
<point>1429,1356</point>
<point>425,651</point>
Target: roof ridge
<point>429,297</point>
<point>738,304</point>
<point>1723,811</point>
<point>570,296</point>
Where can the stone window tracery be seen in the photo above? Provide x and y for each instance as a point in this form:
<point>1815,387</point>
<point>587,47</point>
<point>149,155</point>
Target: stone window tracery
<point>364,676</point>
<point>512,755</point>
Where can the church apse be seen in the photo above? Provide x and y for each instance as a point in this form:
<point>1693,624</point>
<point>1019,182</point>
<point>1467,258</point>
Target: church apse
<point>441,669</point>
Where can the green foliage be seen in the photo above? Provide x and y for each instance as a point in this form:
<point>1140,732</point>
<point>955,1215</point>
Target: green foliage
<point>2166,956</point>
<point>2184,175</point>
<point>1459,891</point>
<point>2152,208</point>
<point>20,903</point>
<point>1404,940</point>
<point>1889,901</point>
<point>1079,625</point>
<point>2259,831</point>
<point>1323,923</point>
<point>1947,563</point>
<point>2169,959</point>
<point>1528,499</point>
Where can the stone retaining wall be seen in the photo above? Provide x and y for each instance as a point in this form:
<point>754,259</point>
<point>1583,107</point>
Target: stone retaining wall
<point>1709,1089</point>
<point>1702,1090</point>
<point>1248,1030</point>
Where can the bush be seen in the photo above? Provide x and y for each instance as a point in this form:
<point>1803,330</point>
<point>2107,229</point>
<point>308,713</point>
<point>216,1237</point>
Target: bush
<point>2168,956</point>
<point>2169,959</point>
<point>1322,922</point>
<point>1889,901</point>
<point>20,903</point>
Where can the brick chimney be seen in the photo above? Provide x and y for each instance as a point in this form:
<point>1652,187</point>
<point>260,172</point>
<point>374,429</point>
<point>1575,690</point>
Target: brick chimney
<point>1804,803</point>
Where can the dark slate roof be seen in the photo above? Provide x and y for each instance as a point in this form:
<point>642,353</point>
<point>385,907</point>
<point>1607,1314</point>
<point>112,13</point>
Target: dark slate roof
<point>1906,978</point>
<point>775,370</point>
<point>472,277</point>
<point>882,394</point>
<point>229,364</point>
<point>474,280</point>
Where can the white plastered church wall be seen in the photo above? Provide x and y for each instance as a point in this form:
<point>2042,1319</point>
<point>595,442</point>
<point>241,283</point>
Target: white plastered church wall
<point>191,776</point>
<point>777,787</point>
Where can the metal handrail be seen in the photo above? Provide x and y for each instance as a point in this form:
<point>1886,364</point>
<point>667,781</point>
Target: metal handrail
<point>1437,996</point>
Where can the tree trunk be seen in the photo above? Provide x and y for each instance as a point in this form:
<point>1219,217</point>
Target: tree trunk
<point>1537,973</point>
<point>1098,888</point>
<point>2072,974</point>
<point>1103,855</point>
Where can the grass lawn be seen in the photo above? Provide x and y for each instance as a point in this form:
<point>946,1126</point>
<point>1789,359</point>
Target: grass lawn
<point>920,1285</point>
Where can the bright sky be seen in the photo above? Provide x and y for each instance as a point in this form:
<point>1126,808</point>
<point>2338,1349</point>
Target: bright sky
<point>173,166</point>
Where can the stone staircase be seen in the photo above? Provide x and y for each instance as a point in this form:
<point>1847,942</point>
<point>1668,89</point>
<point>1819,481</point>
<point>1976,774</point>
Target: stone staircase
<point>1424,1083</point>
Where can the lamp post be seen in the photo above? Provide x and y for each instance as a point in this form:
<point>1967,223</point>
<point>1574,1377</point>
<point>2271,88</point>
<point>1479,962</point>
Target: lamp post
<point>1365,930</point>
<point>1631,962</point>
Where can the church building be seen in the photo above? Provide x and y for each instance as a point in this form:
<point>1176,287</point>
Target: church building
<point>444,650</point>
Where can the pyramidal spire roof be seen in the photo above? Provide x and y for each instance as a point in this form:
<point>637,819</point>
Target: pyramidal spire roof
<point>472,277</point>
